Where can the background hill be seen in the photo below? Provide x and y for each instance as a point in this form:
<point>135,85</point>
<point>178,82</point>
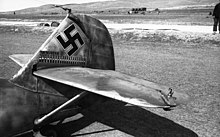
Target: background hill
<point>119,5</point>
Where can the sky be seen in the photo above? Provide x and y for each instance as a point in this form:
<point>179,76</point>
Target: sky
<point>11,5</point>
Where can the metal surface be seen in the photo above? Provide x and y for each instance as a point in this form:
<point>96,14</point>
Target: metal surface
<point>115,85</point>
<point>79,40</point>
<point>77,35</point>
<point>44,120</point>
<point>21,59</point>
<point>19,107</point>
<point>49,59</point>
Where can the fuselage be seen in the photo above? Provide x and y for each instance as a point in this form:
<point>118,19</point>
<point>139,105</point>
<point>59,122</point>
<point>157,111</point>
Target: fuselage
<point>20,106</point>
<point>26,96</point>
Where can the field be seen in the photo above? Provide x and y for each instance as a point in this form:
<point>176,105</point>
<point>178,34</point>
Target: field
<point>186,62</point>
<point>180,17</point>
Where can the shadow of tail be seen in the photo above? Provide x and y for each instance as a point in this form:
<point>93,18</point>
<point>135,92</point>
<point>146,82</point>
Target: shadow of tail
<point>130,120</point>
<point>114,116</point>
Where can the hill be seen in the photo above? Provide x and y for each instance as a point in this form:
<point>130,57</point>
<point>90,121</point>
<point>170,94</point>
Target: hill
<point>118,5</point>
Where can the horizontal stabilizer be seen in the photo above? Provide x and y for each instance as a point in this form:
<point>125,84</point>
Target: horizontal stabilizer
<point>21,59</point>
<point>112,84</point>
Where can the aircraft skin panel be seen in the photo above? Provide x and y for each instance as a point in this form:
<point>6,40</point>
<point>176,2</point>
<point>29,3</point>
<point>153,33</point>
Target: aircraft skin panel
<point>21,59</point>
<point>110,84</point>
<point>20,106</point>
<point>77,36</point>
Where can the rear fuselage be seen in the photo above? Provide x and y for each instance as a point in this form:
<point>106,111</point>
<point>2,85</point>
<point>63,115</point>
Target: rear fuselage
<point>20,106</point>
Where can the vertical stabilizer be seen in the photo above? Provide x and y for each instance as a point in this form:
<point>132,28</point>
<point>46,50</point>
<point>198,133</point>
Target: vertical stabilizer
<point>79,40</point>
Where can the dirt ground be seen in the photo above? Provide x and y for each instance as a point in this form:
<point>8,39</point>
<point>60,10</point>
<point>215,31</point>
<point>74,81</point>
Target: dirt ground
<point>190,66</point>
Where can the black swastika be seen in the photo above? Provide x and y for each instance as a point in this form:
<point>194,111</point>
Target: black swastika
<point>71,40</point>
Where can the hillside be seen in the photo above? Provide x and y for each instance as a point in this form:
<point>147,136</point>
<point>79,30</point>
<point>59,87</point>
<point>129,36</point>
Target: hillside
<point>119,4</point>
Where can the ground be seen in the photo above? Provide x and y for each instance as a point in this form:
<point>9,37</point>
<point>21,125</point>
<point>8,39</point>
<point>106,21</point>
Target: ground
<point>186,62</point>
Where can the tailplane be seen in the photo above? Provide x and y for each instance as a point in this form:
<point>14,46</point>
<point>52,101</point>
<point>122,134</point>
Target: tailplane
<point>79,40</point>
<point>21,59</point>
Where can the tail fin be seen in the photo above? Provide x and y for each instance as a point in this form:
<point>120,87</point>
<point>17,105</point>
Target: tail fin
<point>78,41</point>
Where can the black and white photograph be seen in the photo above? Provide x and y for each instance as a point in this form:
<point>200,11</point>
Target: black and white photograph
<point>109,68</point>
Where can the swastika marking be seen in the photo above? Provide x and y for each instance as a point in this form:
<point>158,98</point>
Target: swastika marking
<point>72,41</point>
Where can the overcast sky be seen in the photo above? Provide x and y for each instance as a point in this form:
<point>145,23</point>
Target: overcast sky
<point>10,5</point>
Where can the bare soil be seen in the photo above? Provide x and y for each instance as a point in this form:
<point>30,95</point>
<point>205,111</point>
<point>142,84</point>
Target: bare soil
<point>192,67</point>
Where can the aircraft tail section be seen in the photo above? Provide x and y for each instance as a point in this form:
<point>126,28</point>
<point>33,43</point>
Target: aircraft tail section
<point>21,59</point>
<point>79,40</point>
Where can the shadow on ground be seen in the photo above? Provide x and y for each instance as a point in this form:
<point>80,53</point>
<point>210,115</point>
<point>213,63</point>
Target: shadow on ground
<point>130,120</point>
